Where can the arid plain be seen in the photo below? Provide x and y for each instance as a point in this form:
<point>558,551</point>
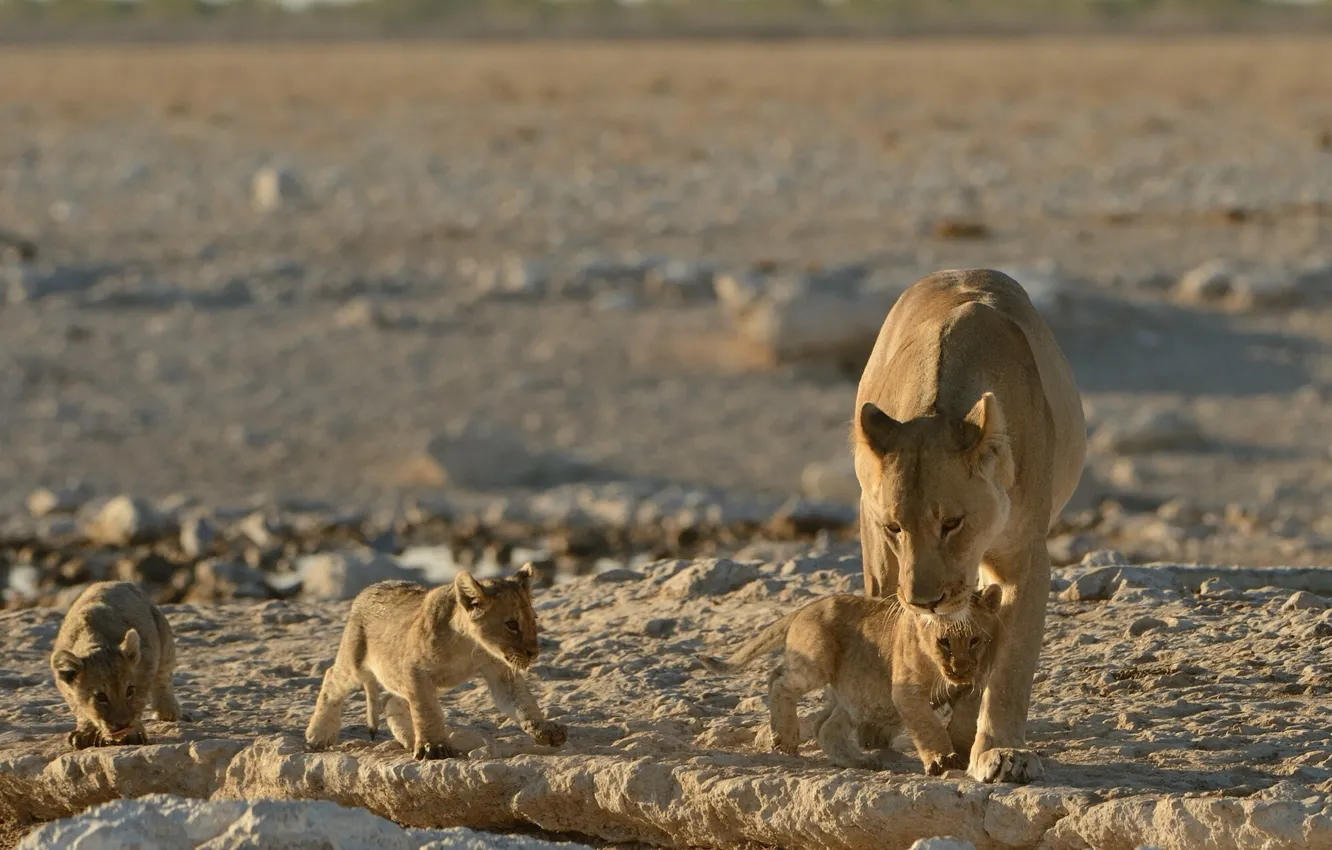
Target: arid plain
<point>598,305</point>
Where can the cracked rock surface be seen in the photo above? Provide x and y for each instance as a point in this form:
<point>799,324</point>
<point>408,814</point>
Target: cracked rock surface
<point>1206,727</point>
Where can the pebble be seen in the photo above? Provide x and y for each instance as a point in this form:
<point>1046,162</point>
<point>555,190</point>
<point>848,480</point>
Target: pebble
<point>1303,600</point>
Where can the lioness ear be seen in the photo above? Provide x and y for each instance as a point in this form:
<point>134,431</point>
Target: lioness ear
<point>66,664</point>
<point>991,449</point>
<point>470,593</point>
<point>525,574</point>
<point>878,429</point>
<point>991,596</point>
<point>129,647</point>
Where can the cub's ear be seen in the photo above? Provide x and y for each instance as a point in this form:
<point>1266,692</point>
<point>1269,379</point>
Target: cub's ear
<point>989,446</point>
<point>66,664</point>
<point>470,593</point>
<point>129,647</point>
<point>525,574</point>
<point>877,429</point>
<point>991,596</point>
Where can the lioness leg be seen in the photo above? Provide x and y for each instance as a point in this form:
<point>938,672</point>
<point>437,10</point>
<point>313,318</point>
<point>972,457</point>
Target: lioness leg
<point>999,753</point>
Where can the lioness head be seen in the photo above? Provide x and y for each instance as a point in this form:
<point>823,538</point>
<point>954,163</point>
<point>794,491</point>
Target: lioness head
<point>105,686</point>
<point>961,648</point>
<point>501,613</point>
<point>938,491</point>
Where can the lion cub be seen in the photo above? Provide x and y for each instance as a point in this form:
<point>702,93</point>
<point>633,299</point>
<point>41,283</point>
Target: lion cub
<point>114,654</point>
<point>414,642</point>
<point>880,665</point>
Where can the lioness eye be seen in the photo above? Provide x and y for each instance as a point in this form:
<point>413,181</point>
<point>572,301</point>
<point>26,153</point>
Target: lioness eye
<point>100,697</point>
<point>129,692</point>
<point>893,528</point>
<point>951,524</point>
<point>512,625</point>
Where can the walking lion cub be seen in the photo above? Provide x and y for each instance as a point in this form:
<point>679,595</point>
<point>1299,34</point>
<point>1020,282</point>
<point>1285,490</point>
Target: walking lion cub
<point>413,642</point>
<point>880,665</point>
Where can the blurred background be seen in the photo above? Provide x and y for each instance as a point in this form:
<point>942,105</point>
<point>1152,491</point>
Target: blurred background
<point>597,279</point>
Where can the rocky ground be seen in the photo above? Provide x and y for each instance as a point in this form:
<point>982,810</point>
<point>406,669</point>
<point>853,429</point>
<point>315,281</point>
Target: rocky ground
<point>1172,703</point>
<point>283,321</point>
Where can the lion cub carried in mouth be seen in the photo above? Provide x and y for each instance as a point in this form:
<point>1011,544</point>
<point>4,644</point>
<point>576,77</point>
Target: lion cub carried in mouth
<point>880,665</point>
<point>413,642</point>
<point>114,655</point>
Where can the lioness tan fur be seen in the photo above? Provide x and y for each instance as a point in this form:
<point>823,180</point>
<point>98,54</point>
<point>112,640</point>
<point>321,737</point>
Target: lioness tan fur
<point>968,440</point>
<point>413,642</point>
<point>879,664</point>
<point>113,656</point>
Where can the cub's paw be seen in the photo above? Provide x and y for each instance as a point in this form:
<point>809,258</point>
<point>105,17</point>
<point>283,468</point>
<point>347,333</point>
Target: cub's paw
<point>938,765</point>
<point>1007,765</point>
<point>430,752</point>
<point>82,739</point>
<point>177,716</point>
<point>549,733</point>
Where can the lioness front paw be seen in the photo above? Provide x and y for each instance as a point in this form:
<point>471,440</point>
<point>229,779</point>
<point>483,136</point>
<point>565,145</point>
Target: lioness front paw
<point>549,733</point>
<point>1003,764</point>
<point>430,752</point>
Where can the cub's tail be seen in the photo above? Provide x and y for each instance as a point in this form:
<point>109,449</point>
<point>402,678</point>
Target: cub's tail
<point>769,640</point>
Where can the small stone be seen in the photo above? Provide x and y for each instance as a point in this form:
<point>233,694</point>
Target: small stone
<point>151,568</point>
<point>1069,548</point>
<point>273,187</point>
<point>1151,430</point>
<point>943,842</point>
<point>710,578</point>
<point>342,575</point>
<point>359,313</point>
<point>256,529</point>
<point>44,502</point>
<point>1218,588</point>
<point>680,281</point>
<point>219,579</point>
<point>617,576</point>
<point>1104,558</point>
<point>660,627</point>
<point>1303,600</point>
<point>125,520</point>
<point>1212,281</point>
<point>1143,625</point>
<point>197,536</point>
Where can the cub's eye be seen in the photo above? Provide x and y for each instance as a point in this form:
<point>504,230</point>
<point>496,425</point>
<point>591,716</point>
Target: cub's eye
<point>943,642</point>
<point>129,692</point>
<point>511,625</point>
<point>975,642</point>
<point>951,524</point>
<point>893,528</point>
<point>101,697</point>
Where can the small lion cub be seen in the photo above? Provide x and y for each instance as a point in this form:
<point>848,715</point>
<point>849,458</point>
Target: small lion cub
<point>114,654</point>
<point>414,642</point>
<point>881,666</point>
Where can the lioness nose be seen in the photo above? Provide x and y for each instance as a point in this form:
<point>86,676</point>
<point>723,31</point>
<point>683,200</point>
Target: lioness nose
<point>928,603</point>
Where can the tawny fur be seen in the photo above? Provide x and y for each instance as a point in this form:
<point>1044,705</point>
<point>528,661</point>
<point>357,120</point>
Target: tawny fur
<point>880,665</point>
<point>968,440</point>
<point>113,657</point>
<point>411,642</point>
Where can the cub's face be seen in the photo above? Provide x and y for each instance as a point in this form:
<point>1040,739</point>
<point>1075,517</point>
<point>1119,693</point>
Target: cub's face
<point>961,649</point>
<point>503,620</point>
<point>935,494</point>
<point>106,687</point>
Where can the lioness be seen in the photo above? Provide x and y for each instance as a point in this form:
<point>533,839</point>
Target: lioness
<point>413,642</point>
<point>968,440</point>
<point>114,654</point>
<point>854,647</point>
